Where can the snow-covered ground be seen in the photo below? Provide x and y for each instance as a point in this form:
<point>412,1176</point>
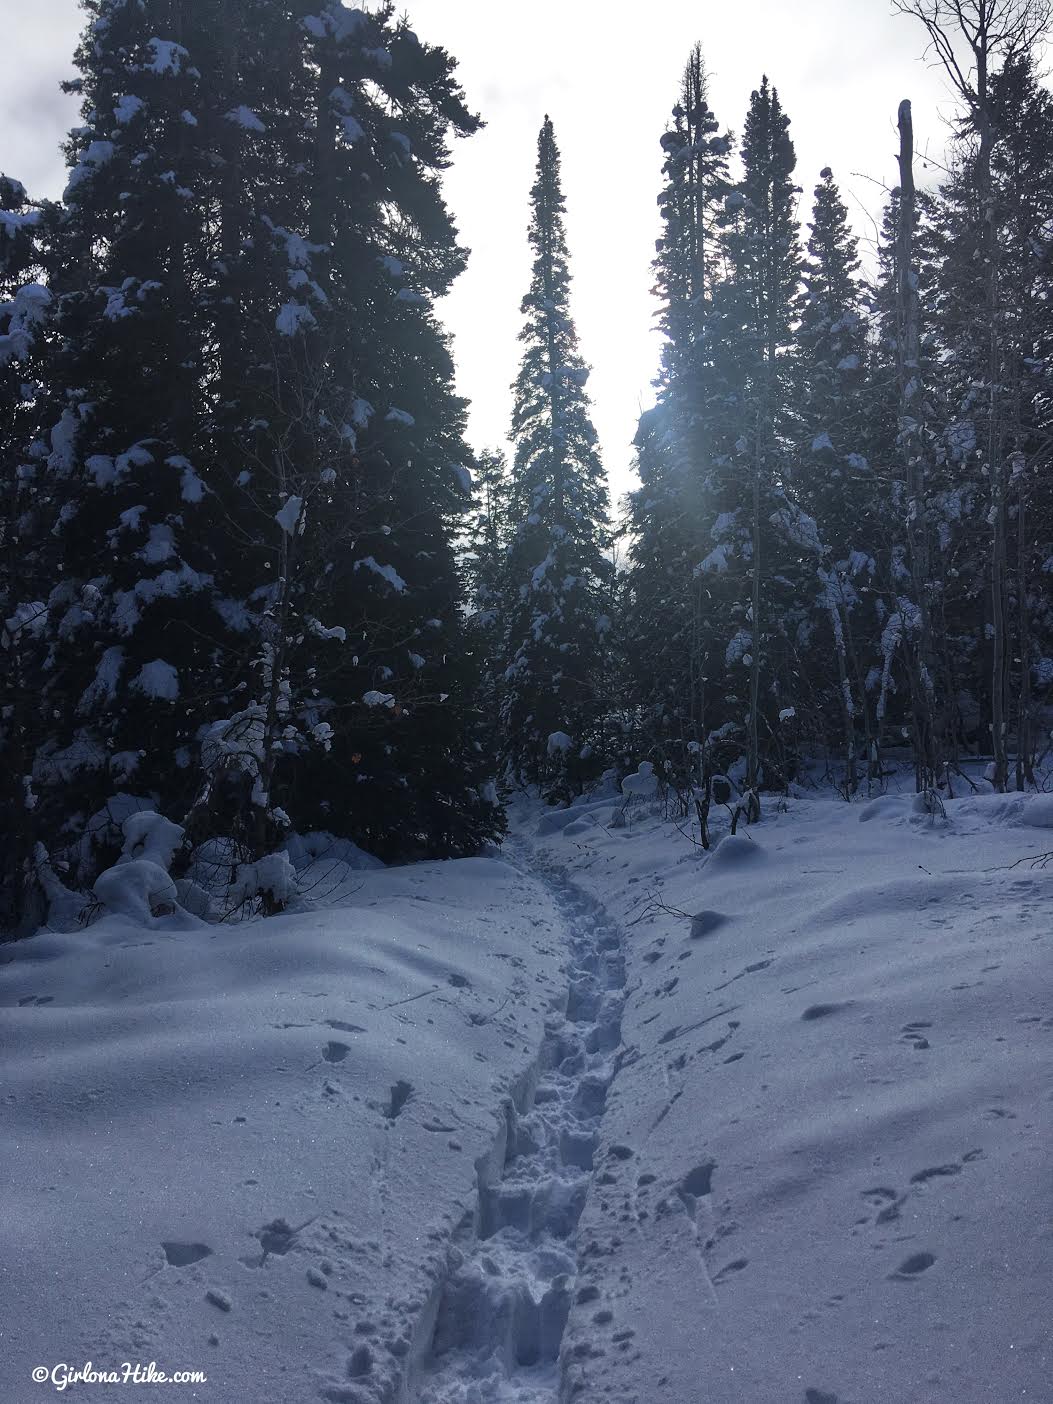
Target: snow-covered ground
<point>824,1171</point>
<point>243,1149</point>
<point>618,1120</point>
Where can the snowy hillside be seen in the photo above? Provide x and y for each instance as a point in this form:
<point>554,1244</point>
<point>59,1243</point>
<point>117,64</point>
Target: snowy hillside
<point>625,1121</point>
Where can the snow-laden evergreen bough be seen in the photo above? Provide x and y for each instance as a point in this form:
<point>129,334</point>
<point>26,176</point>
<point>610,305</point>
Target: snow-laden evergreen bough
<point>238,464</point>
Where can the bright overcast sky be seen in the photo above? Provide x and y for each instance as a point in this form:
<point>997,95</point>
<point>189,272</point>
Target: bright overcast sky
<point>607,73</point>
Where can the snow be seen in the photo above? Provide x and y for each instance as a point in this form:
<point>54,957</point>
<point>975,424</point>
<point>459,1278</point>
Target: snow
<point>399,416</point>
<point>290,516</point>
<point>273,875</point>
<point>25,313</point>
<point>245,117</point>
<point>828,1132</point>
<point>386,572</point>
<point>127,108</point>
<point>151,837</point>
<point>643,784</point>
<point>378,699</point>
<point>95,155</point>
<point>12,223</point>
<point>158,680</point>
<point>63,440</point>
<point>294,317</point>
<point>166,57</point>
<point>103,687</point>
<point>191,488</point>
<point>246,1149</point>
<point>361,412</point>
<point>716,562</point>
<point>139,890</point>
<point>620,1119</point>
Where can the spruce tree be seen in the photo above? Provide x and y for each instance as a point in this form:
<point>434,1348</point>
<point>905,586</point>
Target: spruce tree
<point>25,313</point>
<point>250,456</point>
<point>557,569</point>
<point>486,544</point>
<point>833,478</point>
<point>671,515</point>
<point>755,595</point>
<point>130,610</point>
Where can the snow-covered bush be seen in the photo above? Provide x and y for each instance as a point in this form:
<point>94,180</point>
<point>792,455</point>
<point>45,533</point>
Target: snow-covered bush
<point>138,889</point>
<point>270,881</point>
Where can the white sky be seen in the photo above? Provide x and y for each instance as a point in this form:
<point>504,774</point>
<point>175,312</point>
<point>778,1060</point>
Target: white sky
<point>608,75</point>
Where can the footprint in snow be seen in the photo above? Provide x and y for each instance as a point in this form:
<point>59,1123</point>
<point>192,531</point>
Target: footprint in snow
<point>912,1267</point>
<point>183,1254</point>
<point>705,923</point>
<point>823,1011</point>
<point>699,1181</point>
<point>278,1237</point>
<point>401,1092</point>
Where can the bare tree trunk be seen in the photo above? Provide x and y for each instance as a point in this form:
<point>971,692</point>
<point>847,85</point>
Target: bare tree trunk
<point>1025,757</point>
<point>914,452</point>
<point>753,763</point>
<point>851,779</point>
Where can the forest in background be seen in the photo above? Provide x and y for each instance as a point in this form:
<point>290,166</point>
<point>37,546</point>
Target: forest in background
<point>254,580</point>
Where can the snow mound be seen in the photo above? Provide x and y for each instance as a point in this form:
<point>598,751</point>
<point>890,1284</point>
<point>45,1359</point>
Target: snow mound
<point>151,837</point>
<point>735,851</point>
<point>137,889</point>
<point>885,807</point>
<point>1038,812</point>
<point>318,846</point>
<point>643,784</point>
<point>556,821</point>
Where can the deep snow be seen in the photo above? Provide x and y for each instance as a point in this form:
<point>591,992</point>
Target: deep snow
<point>835,1098</point>
<point>293,1106</point>
<point>619,1121</point>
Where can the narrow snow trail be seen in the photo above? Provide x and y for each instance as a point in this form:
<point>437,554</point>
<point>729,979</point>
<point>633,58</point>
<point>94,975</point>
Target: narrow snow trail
<point>505,1306</point>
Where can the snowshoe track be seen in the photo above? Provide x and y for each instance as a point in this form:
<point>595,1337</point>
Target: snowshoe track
<point>504,1308</point>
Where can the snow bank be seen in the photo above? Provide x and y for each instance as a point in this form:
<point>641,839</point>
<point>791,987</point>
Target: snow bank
<point>245,1150</point>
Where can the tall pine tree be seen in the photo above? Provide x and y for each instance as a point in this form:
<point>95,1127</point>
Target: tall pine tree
<point>557,570</point>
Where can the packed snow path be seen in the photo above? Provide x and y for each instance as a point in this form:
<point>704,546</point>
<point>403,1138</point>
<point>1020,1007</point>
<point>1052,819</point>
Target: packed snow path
<point>504,1309</point>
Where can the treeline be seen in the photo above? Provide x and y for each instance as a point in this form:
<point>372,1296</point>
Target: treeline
<point>251,577</point>
<point>843,537</point>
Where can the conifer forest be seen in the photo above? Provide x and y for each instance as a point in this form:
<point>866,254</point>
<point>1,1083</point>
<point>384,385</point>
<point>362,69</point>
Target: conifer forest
<point>252,570</point>
<point>285,657</point>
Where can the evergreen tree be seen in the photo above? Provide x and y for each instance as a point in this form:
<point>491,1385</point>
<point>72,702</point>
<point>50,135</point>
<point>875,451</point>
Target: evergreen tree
<point>251,456</point>
<point>670,515</point>
<point>557,570</point>
<point>25,308</point>
<point>1006,416</point>
<point>754,587</point>
<point>134,558</point>
<point>833,479</point>
<point>486,545</point>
